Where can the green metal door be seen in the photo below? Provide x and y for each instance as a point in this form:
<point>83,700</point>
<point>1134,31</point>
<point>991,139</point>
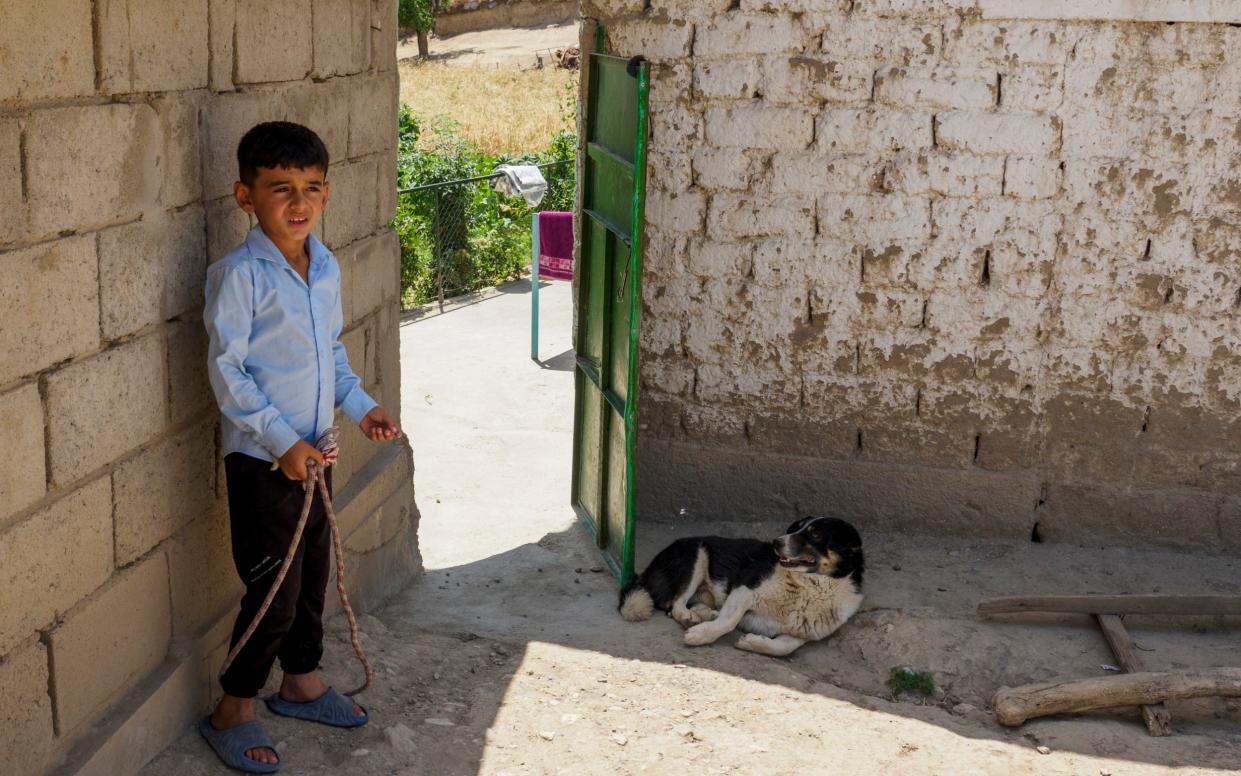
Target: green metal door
<point>609,269</point>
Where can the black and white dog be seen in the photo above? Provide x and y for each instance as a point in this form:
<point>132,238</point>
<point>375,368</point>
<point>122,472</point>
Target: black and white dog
<point>800,587</point>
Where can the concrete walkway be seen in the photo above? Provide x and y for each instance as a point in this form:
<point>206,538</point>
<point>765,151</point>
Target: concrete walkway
<point>491,429</point>
<point>507,656</point>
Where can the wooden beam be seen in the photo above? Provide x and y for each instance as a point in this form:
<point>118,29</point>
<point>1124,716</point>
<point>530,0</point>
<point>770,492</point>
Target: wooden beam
<point>1015,705</point>
<point>1114,604</point>
<point>1156,715</point>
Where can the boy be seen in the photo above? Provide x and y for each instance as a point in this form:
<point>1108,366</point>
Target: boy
<point>279,372</point>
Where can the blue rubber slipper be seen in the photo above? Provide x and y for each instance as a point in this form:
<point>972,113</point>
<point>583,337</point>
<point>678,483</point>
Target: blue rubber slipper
<point>232,744</point>
<point>330,708</point>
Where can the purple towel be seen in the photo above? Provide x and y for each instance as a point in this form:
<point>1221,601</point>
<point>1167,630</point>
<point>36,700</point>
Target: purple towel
<point>556,245</point>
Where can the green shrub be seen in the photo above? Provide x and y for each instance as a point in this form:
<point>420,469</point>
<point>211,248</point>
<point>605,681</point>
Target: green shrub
<point>904,679</point>
<point>478,237</point>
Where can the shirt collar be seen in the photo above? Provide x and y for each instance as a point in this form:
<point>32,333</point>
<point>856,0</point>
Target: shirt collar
<point>261,247</point>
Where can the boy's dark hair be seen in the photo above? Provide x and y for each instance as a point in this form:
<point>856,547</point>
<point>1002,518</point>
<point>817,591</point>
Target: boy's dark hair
<point>275,144</point>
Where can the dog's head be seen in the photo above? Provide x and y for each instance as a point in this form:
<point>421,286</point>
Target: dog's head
<point>822,545</point>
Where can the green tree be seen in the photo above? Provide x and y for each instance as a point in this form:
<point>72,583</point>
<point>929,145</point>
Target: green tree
<point>418,15</point>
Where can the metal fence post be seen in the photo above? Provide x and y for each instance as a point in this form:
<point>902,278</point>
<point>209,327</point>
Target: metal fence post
<point>437,240</point>
<point>534,286</point>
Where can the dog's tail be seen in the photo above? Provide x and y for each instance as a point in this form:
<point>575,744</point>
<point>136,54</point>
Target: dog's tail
<point>635,602</point>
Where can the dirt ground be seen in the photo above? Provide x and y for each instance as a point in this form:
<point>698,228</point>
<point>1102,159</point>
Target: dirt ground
<point>507,656</point>
<point>515,47</point>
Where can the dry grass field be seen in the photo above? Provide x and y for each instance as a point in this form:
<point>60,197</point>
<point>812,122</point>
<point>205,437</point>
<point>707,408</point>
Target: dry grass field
<point>503,111</point>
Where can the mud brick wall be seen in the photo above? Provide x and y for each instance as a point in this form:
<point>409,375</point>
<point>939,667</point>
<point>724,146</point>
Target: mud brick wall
<point>943,266</point>
<point>118,125</point>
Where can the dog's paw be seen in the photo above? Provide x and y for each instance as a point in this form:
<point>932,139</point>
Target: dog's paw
<point>699,635</point>
<point>753,643</point>
<point>687,618</point>
<point>704,613</point>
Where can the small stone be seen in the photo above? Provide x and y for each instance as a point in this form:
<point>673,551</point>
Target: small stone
<point>441,721</point>
<point>546,735</point>
<point>686,713</point>
<point>282,745</point>
<point>1043,750</point>
<point>964,709</point>
<point>619,739</point>
<point>596,569</point>
<point>401,738</point>
<point>361,752</point>
<point>684,731</point>
<point>569,719</point>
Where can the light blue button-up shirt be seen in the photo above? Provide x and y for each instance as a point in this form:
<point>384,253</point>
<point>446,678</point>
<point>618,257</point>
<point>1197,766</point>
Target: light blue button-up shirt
<point>275,359</point>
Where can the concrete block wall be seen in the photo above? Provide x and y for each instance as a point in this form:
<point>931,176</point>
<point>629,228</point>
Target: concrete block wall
<point>118,126</point>
<point>961,266</point>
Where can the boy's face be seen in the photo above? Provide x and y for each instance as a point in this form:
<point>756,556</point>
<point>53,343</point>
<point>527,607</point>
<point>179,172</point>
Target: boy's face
<point>287,201</point>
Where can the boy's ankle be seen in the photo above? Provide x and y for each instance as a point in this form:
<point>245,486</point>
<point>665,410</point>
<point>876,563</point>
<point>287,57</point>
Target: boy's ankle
<point>301,688</point>
<point>232,711</point>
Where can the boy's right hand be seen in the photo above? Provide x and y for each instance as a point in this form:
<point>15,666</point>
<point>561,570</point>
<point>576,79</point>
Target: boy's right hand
<point>293,462</point>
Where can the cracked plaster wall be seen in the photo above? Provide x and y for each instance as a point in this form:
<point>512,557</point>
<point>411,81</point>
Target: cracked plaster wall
<point>934,268</point>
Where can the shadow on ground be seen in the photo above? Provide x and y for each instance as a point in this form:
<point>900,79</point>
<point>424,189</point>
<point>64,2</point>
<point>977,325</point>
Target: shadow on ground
<point>507,655</point>
<point>549,632</point>
<point>561,363</point>
<point>518,663</point>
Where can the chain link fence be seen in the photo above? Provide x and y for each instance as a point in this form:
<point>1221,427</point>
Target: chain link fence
<point>463,236</point>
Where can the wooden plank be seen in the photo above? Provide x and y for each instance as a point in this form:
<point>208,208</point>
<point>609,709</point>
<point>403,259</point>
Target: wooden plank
<point>1014,705</point>
<point>608,224</point>
<point>1156,715</point>
<point>606,155</point>
<point>1114,604</point>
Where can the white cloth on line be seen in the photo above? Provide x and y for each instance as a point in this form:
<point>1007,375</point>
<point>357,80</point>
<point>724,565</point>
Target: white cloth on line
<point>521,180</point>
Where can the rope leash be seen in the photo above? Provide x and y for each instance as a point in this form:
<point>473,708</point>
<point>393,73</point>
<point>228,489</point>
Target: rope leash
<point>326,444</point>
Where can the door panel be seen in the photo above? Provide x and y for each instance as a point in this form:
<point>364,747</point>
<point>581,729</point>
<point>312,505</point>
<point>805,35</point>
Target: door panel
<point>618,373</point>
<point>589,460</point>
<point>614,504</point>
<point>595,268</point>
<point>608,195</point>
<point>608,288</point>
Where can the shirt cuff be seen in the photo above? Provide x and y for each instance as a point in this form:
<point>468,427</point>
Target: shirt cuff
<point>357,404</point>
<point>280,438</point>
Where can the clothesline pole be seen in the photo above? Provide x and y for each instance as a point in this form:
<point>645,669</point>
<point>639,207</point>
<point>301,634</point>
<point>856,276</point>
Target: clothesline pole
<point>534,287</point>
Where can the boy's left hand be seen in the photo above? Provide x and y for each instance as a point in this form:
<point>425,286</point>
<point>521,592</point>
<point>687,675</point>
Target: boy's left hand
<point>378,427</point>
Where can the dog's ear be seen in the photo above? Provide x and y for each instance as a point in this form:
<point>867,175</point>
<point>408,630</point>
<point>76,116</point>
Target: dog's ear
<point>841,534</point>
<point>850,563</point>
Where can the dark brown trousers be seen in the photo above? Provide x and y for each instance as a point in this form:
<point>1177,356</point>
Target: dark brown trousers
<point>264,507</point>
